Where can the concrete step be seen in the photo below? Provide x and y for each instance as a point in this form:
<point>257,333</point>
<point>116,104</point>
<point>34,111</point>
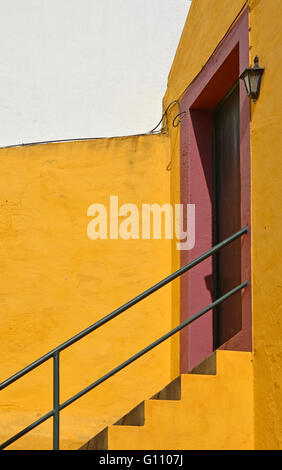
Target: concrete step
<point>192,403</point>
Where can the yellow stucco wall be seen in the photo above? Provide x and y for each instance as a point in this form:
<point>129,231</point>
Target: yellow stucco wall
<point>55,281</point>
<point>207,23</point>
<point>266,150</point>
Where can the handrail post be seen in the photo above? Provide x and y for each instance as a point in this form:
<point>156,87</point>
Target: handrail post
<point>56,401</point>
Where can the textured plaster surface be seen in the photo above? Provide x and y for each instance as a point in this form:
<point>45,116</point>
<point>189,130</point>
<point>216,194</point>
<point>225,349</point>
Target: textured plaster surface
<point>55,282</point>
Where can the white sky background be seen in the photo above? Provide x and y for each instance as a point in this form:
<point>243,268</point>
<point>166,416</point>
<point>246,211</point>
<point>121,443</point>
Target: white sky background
<point>84,68</point>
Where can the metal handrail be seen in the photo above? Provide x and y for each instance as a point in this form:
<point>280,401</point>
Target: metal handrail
<point>54,353</point>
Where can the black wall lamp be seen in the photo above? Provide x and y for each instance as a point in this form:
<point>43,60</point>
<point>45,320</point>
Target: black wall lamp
<point>252,79</point>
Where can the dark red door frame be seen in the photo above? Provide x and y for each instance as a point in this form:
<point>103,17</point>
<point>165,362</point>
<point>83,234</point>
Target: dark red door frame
<point>213,82</point>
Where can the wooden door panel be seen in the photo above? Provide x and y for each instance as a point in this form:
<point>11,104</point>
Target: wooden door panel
<point>227,214</point>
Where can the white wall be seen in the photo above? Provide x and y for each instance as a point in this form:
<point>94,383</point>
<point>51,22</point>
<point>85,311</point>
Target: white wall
<point>84,68</point>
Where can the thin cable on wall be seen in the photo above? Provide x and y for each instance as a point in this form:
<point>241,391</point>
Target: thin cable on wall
<point>168,168</point>
<point>153,131</point>
<point>164,119</point>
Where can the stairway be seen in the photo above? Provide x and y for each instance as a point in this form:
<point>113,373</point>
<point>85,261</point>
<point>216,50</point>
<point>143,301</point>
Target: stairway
<point>209,408</point>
